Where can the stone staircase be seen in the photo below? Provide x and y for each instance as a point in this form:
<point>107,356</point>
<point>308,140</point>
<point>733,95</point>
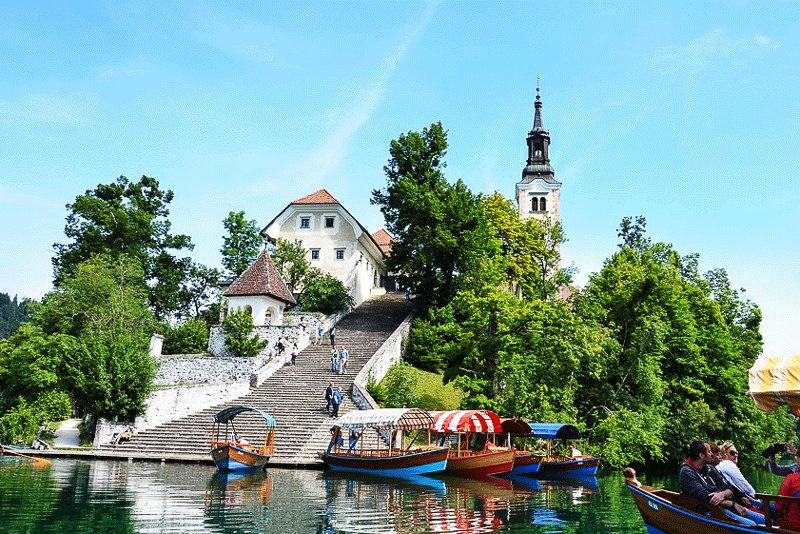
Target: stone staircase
<point>293,396</point>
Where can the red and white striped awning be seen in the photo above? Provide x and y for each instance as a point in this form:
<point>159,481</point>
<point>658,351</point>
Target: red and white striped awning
<point>466,421</point>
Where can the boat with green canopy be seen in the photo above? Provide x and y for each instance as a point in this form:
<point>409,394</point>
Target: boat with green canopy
<point>231,451</point>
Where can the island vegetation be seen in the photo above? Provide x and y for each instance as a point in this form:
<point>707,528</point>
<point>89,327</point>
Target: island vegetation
<point>649,355</point>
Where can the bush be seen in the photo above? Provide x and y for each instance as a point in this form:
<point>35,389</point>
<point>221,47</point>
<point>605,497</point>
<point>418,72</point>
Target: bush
<point>21,423</point>
<point>111,374</point>
<point>325,294</point>
<point>400,384</point>
<point>238,335</point>
<point>53,405</point>
<point>376,390</point>
<point>189,337</point>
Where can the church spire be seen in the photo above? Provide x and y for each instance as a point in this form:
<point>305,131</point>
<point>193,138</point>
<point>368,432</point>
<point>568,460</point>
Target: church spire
<point>538,164</point>
<point>537,117</point>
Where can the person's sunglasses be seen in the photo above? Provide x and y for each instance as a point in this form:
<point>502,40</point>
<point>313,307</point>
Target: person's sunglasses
<point>733,453</point>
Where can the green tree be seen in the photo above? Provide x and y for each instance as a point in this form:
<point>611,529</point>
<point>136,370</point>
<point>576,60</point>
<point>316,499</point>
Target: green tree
<point>200,289</point>
<point>127,218</point>
<point>189,337</point>
<point>240,247</point>
<point>325,294</point>
<point>103,307</point>
<point>440,228</point>
<point>111,374</point>
<point>12,314</point>
<point>679,360</point>
<point>239,337</point>
<point>291,260</point>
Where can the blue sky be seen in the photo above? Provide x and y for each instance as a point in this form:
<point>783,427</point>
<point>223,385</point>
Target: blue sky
<point>684,112</point>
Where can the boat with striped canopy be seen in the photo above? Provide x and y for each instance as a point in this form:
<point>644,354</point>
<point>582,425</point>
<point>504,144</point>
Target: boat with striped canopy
<point>558,465</point>
<point>231,451</point>
<point>474,452</point>
<point>382,442</point>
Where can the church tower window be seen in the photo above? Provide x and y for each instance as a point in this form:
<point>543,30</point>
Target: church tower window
<point>542,204</point>
<point>534,204</point>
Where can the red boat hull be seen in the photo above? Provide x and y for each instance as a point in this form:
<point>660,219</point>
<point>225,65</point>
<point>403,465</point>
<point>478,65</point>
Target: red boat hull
<point>480,463</point>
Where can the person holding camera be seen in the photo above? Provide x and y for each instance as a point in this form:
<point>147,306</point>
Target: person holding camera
<point>781,470</point>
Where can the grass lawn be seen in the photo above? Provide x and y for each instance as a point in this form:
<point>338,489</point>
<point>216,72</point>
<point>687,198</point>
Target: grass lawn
<point>433,394</point>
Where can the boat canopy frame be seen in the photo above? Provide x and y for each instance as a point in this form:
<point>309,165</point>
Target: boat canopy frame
<point>228,414</point>
<point>386,418</point>
<point>549,431</point>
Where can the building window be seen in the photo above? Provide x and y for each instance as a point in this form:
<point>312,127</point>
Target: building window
<point>314,253</point>
<point>339,253</point>
<point>305,222</point>
<point>542,204</point>
<point>329,222</point>
<point>534,204</point>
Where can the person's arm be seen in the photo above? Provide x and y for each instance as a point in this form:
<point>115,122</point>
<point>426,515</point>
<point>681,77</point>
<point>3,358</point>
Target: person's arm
<point>735,476</point>
<point>780,470</point>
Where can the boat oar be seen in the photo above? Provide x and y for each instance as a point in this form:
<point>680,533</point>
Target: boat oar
<point>6,450</point>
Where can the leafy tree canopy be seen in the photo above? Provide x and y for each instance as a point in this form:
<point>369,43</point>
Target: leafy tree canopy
<point>440,227</point>
<point>241,245</point>
<point>239,337</point>
<point>326,294</point>
<point>291,260</point>
<point>129,218</point>
<point>12,314</point>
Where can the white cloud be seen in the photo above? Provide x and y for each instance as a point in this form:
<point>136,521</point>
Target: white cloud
<point>326,158</point>
<point>712,49</point>
<point>9,197</point>
<point>75,109</point>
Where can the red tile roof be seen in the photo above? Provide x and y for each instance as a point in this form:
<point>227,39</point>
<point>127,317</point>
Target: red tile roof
<point>261,278</point>
<point>384,241</point>
<point>320,197</point>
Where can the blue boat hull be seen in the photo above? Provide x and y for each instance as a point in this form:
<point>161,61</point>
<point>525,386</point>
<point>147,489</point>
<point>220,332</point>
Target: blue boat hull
<point>418,463</point>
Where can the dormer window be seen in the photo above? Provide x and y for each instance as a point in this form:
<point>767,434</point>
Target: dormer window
<point>329,222</point>
<point>305,222</point>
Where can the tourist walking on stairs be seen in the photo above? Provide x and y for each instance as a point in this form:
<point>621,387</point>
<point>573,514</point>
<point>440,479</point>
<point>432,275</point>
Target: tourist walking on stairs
<point>332,335</point>
<point>328,396</point>
<point>344,356</point>
<point>336,401</point>
<point>334,360</point>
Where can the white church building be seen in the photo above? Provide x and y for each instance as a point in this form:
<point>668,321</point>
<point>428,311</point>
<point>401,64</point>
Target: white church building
<point>336,242</point>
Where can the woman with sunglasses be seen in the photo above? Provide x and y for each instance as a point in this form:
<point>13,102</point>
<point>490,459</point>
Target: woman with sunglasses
<point>729,457</point>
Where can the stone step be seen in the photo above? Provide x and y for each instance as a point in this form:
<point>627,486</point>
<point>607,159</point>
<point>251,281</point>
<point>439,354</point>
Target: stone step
<point>293,395</point>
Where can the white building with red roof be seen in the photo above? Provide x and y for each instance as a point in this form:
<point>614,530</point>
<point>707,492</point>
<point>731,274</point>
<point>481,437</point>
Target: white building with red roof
<point>261,292</point>
<point>336,242</point>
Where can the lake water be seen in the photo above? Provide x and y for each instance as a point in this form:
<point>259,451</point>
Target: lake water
<point>76,496</point>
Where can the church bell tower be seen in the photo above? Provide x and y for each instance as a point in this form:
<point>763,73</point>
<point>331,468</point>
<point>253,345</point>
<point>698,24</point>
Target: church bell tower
<point>538,192</point>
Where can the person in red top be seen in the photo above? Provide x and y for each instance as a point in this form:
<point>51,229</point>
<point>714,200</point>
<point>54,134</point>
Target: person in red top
<point>790,488</point>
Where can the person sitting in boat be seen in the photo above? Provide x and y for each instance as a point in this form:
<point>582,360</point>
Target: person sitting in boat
<point>774,468</point>
<point>729,458</point>
<point>630,477</point>
<point>700,480</point>
<point>790,510</point>
<point>354,435</point>
<point>574,452</point>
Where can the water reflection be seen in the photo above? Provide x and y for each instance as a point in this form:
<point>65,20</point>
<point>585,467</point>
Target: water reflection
<point>97,496</point>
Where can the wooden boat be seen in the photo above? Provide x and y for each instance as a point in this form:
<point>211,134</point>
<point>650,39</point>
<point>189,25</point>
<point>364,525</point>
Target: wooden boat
<point>525,461</point>
<point>377,443</point>
<point>470,427</point>
<point>230,451</point>
<point>667,512</point>
<point>554,465</point>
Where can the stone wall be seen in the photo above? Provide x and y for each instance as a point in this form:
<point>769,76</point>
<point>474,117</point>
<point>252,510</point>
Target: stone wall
<point>193,369</point>
<point>389,353</point>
